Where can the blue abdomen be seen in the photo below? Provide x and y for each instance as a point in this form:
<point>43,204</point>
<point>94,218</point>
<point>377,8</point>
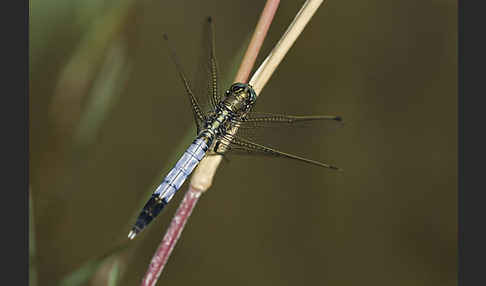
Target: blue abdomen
<point>183,168</point>
<point>172,182</point>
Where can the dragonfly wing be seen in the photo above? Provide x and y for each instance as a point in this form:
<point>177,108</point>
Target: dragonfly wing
<point>260,133</point>
<point>280,129</point>
<point>214,88</point>
<point>199,116</point>
<point>261,120</point>
<point>243,146</point>
<point>206,77</point>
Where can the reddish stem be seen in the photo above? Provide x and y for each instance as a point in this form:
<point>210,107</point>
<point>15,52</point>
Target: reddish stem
<point>171,236</point>
<point>257,39</point>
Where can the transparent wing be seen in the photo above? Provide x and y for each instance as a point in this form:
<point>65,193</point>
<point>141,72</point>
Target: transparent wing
<point>244,146</point>
<point>204,94</point>
<point>282,129</point>
<point>206,76</point>
<point>267,134</point>
<point>270,120</point>
<point>199,116</point>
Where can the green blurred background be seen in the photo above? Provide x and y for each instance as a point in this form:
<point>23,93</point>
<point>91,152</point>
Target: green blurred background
<point>104,95</point>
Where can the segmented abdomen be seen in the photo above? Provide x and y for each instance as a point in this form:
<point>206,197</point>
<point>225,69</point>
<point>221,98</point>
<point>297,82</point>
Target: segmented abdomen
<point>183,168</point>
<point>172,182</point>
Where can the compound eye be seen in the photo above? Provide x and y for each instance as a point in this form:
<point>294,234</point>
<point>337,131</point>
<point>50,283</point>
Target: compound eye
<point>227,92</point>
<point>237,87</point>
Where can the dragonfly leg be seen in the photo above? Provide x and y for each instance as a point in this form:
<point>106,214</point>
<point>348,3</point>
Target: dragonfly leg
<point>219,146</point>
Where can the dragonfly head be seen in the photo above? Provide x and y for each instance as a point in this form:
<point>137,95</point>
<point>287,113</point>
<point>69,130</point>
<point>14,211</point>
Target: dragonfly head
<point>239,98</point>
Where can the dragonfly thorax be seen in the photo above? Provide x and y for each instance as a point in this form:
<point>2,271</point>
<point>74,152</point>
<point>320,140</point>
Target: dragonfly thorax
<point>239,99</point>
<point>216,124</point>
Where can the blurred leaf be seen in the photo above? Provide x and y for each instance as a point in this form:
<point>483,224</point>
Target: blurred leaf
<point>104,95</point>
<point>85,272</point>
<point>88,10</point>
<point>82,275</point>
<point>114,274</point>
<point>45,17</point>
<point>77,75</point>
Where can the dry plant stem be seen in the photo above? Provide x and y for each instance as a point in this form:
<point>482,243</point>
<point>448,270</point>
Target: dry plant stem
<point>266,69</point>
<point>197,187</point>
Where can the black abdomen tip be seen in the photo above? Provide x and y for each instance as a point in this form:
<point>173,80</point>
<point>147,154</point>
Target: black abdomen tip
<point>151,209</point>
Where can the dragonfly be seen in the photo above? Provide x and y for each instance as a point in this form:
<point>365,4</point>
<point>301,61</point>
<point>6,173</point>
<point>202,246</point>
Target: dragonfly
<point>224,125</point>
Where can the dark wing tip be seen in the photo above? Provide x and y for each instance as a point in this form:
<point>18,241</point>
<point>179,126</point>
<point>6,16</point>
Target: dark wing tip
<point>340,121</point>
<point>336,168</point>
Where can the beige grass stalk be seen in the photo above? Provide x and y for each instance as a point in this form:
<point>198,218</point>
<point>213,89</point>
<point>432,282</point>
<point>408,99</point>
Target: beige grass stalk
<point>202,177</point>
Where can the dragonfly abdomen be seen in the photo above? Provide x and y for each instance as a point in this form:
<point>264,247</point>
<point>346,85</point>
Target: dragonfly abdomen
<point>172,182</point>
<point>183,168</point>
